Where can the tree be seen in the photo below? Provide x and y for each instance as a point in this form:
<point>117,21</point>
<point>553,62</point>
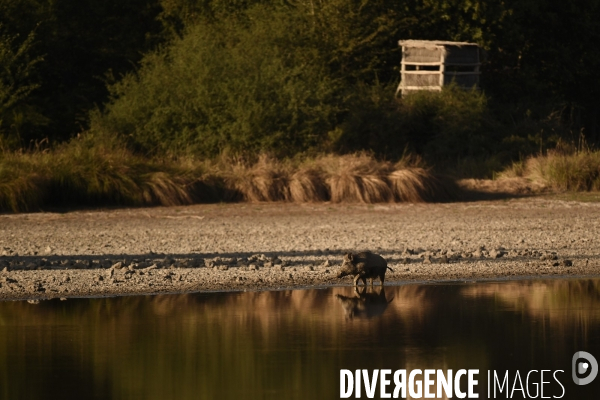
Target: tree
<point>16,85</point>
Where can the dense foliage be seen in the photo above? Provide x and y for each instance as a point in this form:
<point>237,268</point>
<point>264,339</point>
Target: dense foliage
<point>207,76</point>
<point>67,48</point>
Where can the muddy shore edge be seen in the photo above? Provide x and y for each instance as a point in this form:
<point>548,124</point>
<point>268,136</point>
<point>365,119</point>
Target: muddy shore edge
<point>206,248</point>
<point>123,280</point>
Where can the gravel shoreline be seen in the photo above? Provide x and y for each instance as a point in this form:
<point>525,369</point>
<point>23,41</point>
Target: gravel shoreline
<point>248,246</point>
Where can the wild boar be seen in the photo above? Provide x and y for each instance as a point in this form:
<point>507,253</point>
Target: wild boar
<point>363,266</point>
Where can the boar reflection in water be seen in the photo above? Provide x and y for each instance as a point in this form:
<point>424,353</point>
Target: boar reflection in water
<point>364,305</point>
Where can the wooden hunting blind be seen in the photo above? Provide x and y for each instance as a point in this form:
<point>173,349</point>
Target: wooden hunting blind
<point>431,64</point>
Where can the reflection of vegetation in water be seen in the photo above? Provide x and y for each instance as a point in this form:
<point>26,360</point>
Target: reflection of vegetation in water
<point>565,303</point>
<point>274,344</point>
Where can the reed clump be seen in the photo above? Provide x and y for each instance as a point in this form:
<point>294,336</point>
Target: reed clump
<point>20,182</point>
<point>356,178</point>
<point>83,172</point>
<point>417,185</point>
<point>562,170</point>
<point>267,179</point>
<point>307,185</point>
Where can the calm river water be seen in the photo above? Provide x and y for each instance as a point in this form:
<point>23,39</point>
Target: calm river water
<point>293,344</point>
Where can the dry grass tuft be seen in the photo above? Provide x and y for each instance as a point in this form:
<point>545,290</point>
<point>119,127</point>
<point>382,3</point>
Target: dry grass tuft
<point>21,182</point>
<point>87,173</point>
<point>356,178</point>
<point>578,171</point>
<point>308,185</point>
<point>417,185</point>
<point>345,187</point>
<point>83,172</point>
<point>375,189</point>
<point>164,189</point>
<point>267,180</point>
<point>408,184</point>
<point>517,169</point>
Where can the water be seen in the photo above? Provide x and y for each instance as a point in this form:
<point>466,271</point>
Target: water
<point>293,344</point>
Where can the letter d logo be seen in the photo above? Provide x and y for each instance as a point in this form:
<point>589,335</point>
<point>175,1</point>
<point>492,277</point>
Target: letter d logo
<point>581,367</point>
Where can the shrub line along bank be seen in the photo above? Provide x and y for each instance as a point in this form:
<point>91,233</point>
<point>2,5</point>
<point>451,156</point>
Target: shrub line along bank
<point>78,174</point>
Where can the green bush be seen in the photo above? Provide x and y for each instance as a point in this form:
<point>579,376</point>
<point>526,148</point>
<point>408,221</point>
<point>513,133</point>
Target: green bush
<point>454,123</point>
<point>442,126</point>
<point>236,85</point>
